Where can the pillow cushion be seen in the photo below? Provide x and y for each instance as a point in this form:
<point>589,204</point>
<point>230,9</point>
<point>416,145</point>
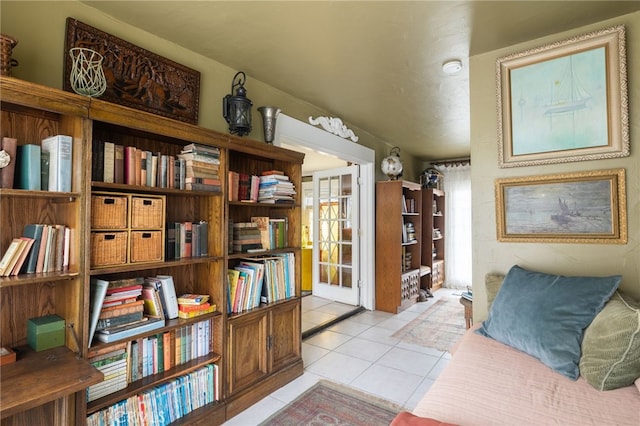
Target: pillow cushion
<point>544,315</point>
<point>611,345</point>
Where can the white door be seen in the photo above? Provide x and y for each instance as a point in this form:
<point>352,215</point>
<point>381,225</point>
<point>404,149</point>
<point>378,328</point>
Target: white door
<point>336,271</point>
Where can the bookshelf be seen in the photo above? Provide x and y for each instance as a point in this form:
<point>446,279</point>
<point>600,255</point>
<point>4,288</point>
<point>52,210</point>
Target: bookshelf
<point>398,244</point>
<point>264,343</point>
<point>433,237</point>
<point>254,351</point>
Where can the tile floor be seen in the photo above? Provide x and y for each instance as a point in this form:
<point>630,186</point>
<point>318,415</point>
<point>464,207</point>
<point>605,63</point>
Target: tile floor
<point>317,311</point>
<point>360,352</point>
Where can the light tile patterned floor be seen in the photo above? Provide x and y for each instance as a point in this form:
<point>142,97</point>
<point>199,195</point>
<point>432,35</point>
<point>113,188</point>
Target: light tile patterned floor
<point>358,352</point>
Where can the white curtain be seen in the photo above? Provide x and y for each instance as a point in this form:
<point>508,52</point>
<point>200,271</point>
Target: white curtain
<point>457,187</point>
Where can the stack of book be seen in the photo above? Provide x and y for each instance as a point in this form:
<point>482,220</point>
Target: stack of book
<point>42,248</point>
<point>279,277</point>
<point>246,237</point>
<point>117,312</point>
<point>273,231</point>
<point>45,167</point>
<point>202,165</point>
<point>243,187</point>
<point>193,341</point>
<point>275,188</point>
<point>193,305</point>
<point>149,355</point>
<point>112,362</point>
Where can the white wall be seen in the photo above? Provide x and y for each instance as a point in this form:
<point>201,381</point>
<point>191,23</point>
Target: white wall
<point>489,255</point>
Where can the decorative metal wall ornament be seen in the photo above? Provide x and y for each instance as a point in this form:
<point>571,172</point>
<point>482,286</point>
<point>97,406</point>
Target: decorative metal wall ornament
<point>136,77</point>
<point>269,116</point>
<point>236,109</point>
<point>334,125</point>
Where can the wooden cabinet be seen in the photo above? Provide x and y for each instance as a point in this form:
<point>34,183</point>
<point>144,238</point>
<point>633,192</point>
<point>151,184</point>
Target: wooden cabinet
<point>264,350</point>
<point>433,237</point>
<point>256,351</point>
<point>398,244</point>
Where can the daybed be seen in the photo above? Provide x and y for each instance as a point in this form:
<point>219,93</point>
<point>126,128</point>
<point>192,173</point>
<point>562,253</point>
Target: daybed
<point>489,383</point>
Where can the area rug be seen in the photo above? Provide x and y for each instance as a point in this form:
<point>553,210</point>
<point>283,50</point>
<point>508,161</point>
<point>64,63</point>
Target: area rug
<point>439,327</point>
<point>328,403</point>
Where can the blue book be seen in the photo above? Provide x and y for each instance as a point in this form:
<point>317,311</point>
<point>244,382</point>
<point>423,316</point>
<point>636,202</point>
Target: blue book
<point>32,230</point>
<point>60,152</point>
<point>29,167</point>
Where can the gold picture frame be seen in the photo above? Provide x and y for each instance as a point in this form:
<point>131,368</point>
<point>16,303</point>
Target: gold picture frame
<point>581,207</point>
<point>565,101</point>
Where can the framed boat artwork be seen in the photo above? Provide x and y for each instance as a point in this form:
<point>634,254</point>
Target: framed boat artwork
<point>581,207</point>
<point>565,101</point>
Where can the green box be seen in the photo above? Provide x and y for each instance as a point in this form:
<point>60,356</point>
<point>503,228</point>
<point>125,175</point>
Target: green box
<point>45,332</point>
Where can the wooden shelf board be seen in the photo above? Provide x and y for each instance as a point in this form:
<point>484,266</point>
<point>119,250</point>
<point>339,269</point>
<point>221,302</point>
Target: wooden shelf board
<point>131,267</point>
<point>40,377</point>
<point>28,279</point>
<point>38,194</point>
<point>153,189</point>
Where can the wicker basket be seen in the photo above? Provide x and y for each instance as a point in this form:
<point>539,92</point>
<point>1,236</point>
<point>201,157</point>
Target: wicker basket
<point>108,248</point>
<point>6,46</point>
<point>147,212</point>
<point>146,246</point>
<point>108,212</point>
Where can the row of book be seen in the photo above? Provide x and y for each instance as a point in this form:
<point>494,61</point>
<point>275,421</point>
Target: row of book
<point>165,403</point>
<point>187,239</point>
<point>195,168</point>
<point>45,167</point>
<point>260,280</point>
<point>41,248</point>
<point>272,186</point>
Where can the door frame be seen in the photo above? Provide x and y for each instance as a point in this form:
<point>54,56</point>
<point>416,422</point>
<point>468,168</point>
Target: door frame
<point>290,131</point>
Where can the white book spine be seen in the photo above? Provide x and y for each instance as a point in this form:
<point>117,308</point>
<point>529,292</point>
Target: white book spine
<point>60,154</point>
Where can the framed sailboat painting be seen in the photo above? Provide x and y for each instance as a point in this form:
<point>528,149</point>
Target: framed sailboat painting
<point>579,207</point>
<point>565,101</point>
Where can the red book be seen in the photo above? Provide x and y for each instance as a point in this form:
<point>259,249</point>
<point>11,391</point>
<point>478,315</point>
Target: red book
<point>129,165</point>
<point>126,288</point>
<point>190,308</point>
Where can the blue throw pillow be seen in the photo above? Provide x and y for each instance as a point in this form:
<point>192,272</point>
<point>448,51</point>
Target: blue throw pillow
<point>545,315</point>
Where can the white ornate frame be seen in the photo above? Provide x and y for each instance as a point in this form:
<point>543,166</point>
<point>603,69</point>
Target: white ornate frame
<point>613,40</point>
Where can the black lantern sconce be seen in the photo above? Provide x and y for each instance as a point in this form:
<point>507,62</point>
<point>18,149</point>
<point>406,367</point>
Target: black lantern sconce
<point>236,109</point>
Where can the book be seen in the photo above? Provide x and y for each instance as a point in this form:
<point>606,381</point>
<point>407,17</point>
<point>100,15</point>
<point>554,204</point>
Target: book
<point>98,289</point>
<point>152,304</point>
<point>109,336</point>
<point>8,150</point>
<point>97,160</point>
<point>60,149</point>
<point>263,226</point>
<point>114,311</point>
<point>43,248</point>
<point>28,167</point>
<point>10,256</point>
<point>119,320</point>
<point>24,252</point>
<point>168,296</point>
<point>32,230</point>
<point>109,162</point>
<point>190,308</point>
<point>192,299</point>
<point>45,160</point>
<point>196,313</point>
<point>118,164</point>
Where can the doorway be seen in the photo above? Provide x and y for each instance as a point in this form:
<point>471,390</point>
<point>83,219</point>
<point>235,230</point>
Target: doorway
<point>346,252</point>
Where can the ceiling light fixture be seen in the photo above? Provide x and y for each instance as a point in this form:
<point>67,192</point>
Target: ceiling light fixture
<point>453,66</point>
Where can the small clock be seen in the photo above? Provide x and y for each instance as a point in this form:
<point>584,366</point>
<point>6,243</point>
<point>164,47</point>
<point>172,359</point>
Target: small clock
<point>392,165</point>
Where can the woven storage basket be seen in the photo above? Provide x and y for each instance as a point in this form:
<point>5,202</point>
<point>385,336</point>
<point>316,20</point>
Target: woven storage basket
<point>146,246</point>
<point>108,248</point>
<point>147,212</point>
<point>6,46</point>
<point>108,212</point>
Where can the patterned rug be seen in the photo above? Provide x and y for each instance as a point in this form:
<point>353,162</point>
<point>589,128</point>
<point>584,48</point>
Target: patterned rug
<point>327,403</point>
<point>439,327</point>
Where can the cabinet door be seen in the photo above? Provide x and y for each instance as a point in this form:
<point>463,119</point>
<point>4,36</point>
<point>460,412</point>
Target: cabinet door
<point>247,350</point>
<point>285,335</point>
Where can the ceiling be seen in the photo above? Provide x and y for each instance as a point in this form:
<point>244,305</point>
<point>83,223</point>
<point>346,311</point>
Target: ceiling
<point>375,64</point>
